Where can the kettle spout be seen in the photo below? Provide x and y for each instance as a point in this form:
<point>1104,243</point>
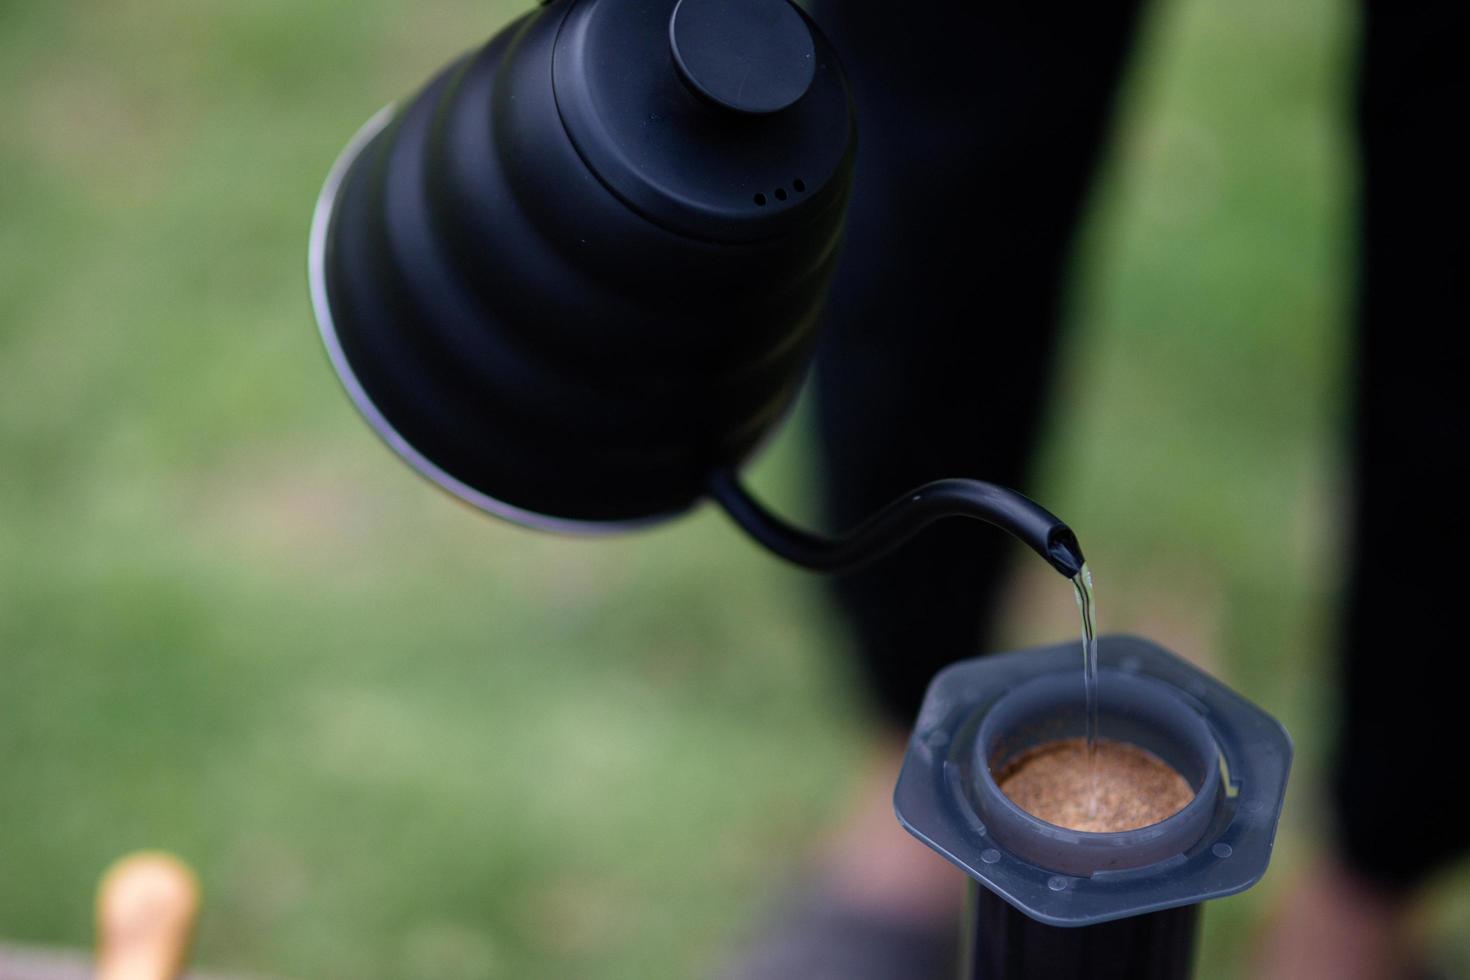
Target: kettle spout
<point>1063,552</point>
<point>1030,523</point>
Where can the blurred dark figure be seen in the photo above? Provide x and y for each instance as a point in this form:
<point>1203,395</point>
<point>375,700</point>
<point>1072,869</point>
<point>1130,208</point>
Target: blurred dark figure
<point>980,130</point>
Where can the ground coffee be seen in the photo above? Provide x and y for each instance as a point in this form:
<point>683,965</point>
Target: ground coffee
<point>1134,788</point>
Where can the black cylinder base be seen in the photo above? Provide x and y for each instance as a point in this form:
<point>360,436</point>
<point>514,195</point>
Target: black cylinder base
<point>1003,943</point>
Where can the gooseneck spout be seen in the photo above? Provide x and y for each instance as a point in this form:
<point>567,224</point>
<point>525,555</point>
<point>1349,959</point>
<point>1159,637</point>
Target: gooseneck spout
<point>1036,527</point>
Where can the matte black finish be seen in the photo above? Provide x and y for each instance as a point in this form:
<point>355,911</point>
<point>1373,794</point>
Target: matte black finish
<point>687,163</point>
<point>572,284</point>
<point>576,279</point>
<point>754,56</point>
<point>1032,524</point>
<point>1003,943</point>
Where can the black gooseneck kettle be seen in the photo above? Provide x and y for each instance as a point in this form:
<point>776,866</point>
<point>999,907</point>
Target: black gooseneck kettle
<point>577,279</point>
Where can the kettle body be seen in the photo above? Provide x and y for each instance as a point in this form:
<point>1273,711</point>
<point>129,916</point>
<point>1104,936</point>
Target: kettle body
<point>581,270</point>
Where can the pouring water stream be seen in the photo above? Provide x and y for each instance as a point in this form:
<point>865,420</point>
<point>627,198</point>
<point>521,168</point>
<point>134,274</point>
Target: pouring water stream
<point>1087,605</point>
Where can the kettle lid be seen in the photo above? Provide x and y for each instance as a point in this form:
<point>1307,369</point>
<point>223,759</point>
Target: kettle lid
<point>722,120</point>
<point>755,57</point>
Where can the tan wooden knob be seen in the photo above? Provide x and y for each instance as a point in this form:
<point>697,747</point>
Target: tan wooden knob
<point>146,907</point>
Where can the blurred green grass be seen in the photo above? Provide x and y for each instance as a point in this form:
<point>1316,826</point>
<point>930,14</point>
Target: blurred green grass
<point>400,740</point>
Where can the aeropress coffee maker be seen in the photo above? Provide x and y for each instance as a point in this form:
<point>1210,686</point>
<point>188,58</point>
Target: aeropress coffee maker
<point>576,281</point>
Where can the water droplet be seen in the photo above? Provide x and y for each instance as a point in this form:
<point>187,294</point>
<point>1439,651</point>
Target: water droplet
<point>990,855</point>
<point>1222,850</point>
<point>1056,883</point>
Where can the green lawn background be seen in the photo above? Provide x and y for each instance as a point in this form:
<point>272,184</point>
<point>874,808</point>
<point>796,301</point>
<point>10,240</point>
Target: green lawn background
<point>402,741</point>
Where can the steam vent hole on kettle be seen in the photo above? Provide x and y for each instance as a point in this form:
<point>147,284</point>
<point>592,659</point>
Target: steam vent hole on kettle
<point>1124,788</point>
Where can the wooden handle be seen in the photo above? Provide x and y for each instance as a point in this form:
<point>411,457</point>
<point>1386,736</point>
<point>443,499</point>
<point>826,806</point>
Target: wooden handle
<point>146,907</point>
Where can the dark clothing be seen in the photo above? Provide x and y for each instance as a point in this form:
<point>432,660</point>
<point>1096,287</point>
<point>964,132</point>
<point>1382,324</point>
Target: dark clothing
<point>1400,780</point>
<point>979,133</point>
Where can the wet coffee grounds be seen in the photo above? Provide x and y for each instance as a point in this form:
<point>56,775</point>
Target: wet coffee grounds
<point>1134,788</point>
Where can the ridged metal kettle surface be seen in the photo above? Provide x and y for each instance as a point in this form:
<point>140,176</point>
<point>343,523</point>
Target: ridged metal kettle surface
<point>568,284</point>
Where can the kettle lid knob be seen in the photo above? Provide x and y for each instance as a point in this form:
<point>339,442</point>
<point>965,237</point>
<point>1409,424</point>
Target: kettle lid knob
<point>753,57</point>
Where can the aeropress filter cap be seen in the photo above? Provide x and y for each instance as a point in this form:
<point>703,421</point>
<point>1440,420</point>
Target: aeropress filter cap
<point>980,714</point>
